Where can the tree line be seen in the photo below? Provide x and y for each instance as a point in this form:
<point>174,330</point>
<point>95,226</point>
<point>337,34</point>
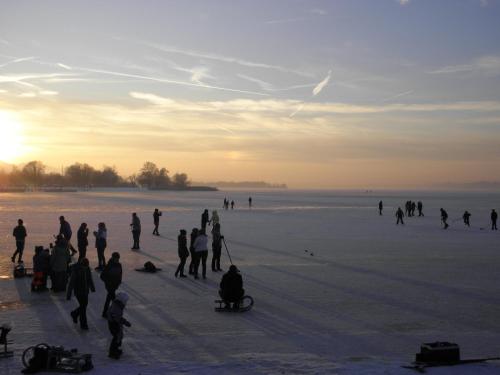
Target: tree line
<point>34,174</point>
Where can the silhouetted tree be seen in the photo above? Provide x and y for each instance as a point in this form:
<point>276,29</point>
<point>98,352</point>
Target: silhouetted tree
<point>107,177</point>
<point>180,181</point>
<point>79,174</point>
<point>33,172</point>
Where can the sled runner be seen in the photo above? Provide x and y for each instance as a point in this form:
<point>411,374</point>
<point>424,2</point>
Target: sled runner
<point>246,304</point>
<point>4,331</point>
<point>43,357</point>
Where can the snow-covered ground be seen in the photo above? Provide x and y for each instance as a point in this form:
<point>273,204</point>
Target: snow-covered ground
<point>360,300</point>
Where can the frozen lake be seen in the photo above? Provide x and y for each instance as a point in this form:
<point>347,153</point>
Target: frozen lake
<point>363,303</point>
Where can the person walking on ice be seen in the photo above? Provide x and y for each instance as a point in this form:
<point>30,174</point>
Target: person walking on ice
<point>399,215</point>
<point>466,216</point>
<point>494,217</point>
<point>380,207</point>
<point>156,220</point>
<point>116,321</point>
<point>81,282</point>
<point>420,208</point>
<point>249,202</point>
<point>444,218</point>
<point>136,231</point>
<point>20,234</point>
<point>183,252</point>
<point>112,278</point>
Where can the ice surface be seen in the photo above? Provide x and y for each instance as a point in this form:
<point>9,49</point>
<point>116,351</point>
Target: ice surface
<point>363,303</point>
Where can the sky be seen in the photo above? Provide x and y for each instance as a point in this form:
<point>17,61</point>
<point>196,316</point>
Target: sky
<point>314,94</point>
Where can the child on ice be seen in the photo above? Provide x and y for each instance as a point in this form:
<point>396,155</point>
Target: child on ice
<point>116,321</point>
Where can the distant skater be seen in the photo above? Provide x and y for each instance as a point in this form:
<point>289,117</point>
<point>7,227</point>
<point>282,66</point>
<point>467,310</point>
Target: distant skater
<point>399,215</point>
<point>232,205</point>
<point>100,244</point>
<point>204,219</point>
<point>216,248</point>
<point>249,202</point>
<point>192,264</point>
<point>380,207</point>
<point>231,288</point>
<point>19,234</point>
<point>156,219</point>
<point>466,216</point>
<point>420,208</point>
<point>81,282</point>
<point>112,278</point>
<point>444,218</point>
<point>494,217</point>
<point>116,321</point>
<point>183,253</point>
<point>136,231</point>
<point>65,230</point>
<point>83,241</point>
<point>201,253</point>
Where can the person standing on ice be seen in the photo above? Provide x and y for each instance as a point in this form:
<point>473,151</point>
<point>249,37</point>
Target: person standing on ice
<point>216,248</point>
<point>112,277</point>
<point>214,219</point>
<point>81,282</point>
<point>156,220</point>
<point>231,288</point>
<point>232,205</point>
<point>83,241</point>
<point>420,208</point>
<point>192,264</point>
<point>59,260</point>
<point>204,219</point>
<point>494,218</point>
<point>444,218</point>
<point>400,214</point>
<point>380,207</point>
<point>183,252</point>
<point>249,202</point>
<point>466,216</point>
<point>65,230</point>
<point>100,244</point>
<point>19,234</point>
<point>201,253</point>
<point>136,231</point>
<point>116,321</point>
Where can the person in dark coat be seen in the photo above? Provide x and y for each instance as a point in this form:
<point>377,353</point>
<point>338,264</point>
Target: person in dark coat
<point>81,283</point>
<point>100,244</point>
<point>249,202</point>
<point>116,321</point>
<point>466,216</point>
<point>420,208</point>
<point>59,260</point>
<point>194,234</point>
<point>183,252</point>
<point>216,248</point>
<point>444,218</point>
<point>204,220</point>
<point>494,218</point>
<point>41,266</point>
<point>83,241</point>
<point>380,207</point>
<point>400,214</point>
<point>232,205</point>
<point>156,219</point>
<point>112,277</point>
<point>20,234</point>
<point>231,287</point>
<point>136,231</point>
<point>65,230</point>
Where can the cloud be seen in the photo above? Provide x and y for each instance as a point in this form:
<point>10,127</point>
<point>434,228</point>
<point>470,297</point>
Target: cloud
<point>27,95</point>
<point>484,3</point>
<point>404,2</point>
<point>489,65</point>
<point>320,86</point>
<point>319,11</point>
<point>48,92</point>
<point>266,86</point>
<point>17,60</point>
<point>285,20</point>
<point>64,66</point>
<point>397,96</point>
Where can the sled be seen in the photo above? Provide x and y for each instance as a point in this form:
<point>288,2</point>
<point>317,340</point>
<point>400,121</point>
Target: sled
<point>4,331</point>
<point>43,357</point>
<point>246,304</point>
<point>422,366</point>
<point>38,283</point>
<point>147,270</point>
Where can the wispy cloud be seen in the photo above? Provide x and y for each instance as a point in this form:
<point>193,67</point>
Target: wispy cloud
<point>320,86</point>
<point>484,65</point>
<point>319,11</point>
<point>404,2</point>
<point>401,94</point>
<point>18,60</point>
<point>270,87</point>
<point>64,66</point>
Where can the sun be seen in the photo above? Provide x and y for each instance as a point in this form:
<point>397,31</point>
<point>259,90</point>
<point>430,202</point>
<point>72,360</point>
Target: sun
<point>11,137</point>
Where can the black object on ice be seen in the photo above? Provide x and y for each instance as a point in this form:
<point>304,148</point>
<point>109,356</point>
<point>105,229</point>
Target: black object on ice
<point>4,331</point>
<point>437,354</point>
<point>245,304</point>
<point>149,267</point>
<point>43,357</point>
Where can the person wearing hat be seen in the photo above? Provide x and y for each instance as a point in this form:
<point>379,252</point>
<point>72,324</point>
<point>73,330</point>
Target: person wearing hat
<point>231,288</point>
<point>116,321</point>
<point>81,282</point>
<point>183,252</point>
<point>112,277</point>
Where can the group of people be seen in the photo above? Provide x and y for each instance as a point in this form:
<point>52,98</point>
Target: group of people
<point>226,203</point>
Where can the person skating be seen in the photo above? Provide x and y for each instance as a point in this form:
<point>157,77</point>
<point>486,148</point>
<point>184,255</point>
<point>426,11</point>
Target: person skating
<point>420,208</point>
<point>156,219</point>
<point>83,240</point>
<point>231,288</point>
<point>444,218</point>
<point>249,202</point>
<point>204,220</point>
<point>100,244</point>
<point>116,321</point>
<point>183,253</point>
<point>81,282</point>
<point>136,231</point>
<point>59,260</point>
<point>192,264</point>
<point>380,207</point>
<point>201,253</point>
<point>494,218</point>
<point>466,216</point>
<point>216,248</point>
<point>65,230</point>
<point>399,215</point>
<point>112,278</point>
<point>20,234</point>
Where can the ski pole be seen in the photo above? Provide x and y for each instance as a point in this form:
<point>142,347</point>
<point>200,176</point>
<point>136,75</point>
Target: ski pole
<point>229,255</point>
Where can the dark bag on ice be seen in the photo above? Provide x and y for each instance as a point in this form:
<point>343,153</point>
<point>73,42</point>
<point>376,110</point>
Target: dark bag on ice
<point>38,362</point>
<point>440,351</point>
<point>19,271</point>
<point>149,267</point>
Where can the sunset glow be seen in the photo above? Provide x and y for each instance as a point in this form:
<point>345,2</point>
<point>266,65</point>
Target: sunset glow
<point>11,138</point>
